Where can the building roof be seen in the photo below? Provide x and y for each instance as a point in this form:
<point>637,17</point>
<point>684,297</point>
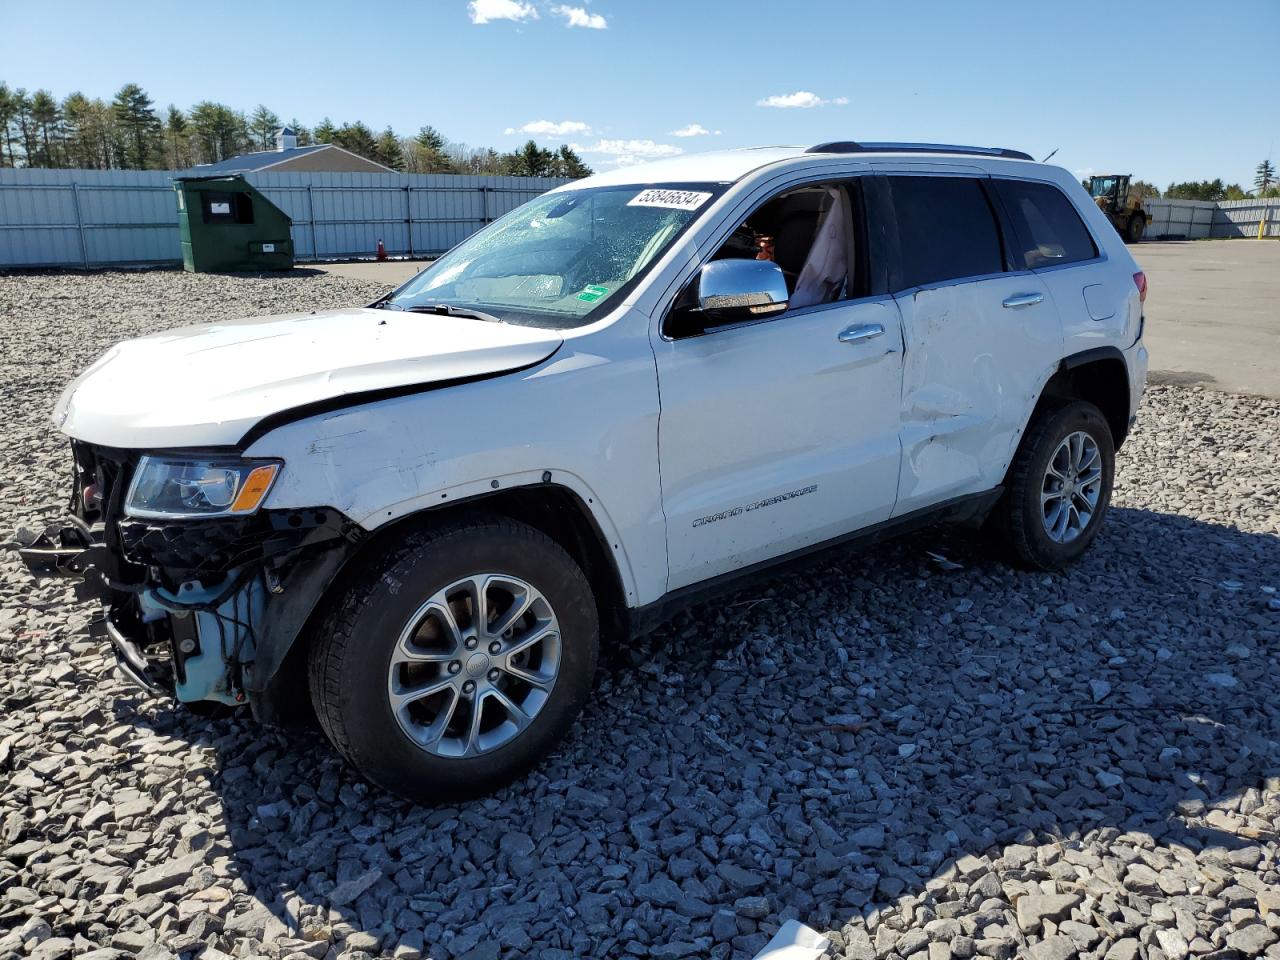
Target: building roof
<point>253,161</point>
<point>249,162</point>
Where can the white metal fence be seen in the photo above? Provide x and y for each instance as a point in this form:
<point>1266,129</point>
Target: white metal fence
<point>1198,219</point>
<point>1241,218</point>
<point>103,217</point>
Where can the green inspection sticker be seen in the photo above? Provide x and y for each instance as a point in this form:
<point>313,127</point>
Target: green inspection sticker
<point>593,292</point>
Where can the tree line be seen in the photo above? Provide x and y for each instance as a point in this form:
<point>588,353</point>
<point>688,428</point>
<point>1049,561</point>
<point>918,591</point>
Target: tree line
<point>129,133</point>
<point>1265,185</point>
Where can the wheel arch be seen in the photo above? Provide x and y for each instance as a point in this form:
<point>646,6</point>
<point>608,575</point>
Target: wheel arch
<point>1099,376</point>
<point>554,509</point>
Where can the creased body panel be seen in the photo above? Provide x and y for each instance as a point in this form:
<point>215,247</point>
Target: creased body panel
<point>586,420</point>
<point>973,371</point>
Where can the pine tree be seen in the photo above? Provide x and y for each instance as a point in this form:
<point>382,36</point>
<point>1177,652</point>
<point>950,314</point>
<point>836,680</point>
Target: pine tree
<point>177,139</point>
<point>429,138</point>
<point>357,138</point>
<point>22,115</point>
<point>47,118</point>
<point>567,163</point>
<point>104,128</point>
<point>129,133</point>
<point>139,126</point>
<point>388,150</point>
<point>217,131</point>
<point>529,161</point>
<point>89,131</point>
<point>1265,178</point>
<point>8,113</point>
<point>79,119</point>
<point>430,152</point>
<point>325,131</point>
<point>263,125</point>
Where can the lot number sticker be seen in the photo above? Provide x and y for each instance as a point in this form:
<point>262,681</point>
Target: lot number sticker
<point>669,199</point>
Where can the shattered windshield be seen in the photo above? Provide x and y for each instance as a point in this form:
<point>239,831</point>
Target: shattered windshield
<point>556,260</point>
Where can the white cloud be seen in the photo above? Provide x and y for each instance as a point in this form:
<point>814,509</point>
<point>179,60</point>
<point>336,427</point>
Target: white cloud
<point>693,130</point>
<point>551,128</point>
<point>801,98</point>
<point>578,17</point>
<point>486,11</point>
<point>626,152</point>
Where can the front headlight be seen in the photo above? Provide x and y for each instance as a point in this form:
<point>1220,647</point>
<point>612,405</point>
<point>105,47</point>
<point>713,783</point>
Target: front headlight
<point>178,487</point>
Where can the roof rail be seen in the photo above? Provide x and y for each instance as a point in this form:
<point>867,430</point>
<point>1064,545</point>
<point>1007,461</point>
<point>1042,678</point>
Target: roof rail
<point>850,146</point>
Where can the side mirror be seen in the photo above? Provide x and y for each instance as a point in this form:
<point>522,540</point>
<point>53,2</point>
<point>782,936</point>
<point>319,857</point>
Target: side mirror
<point>730,291</point>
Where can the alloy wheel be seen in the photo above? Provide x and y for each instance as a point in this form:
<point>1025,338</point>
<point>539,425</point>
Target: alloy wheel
<point>474,665</point>
<point>1071,487</point>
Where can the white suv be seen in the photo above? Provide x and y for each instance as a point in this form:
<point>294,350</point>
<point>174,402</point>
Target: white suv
<point>422,515</point>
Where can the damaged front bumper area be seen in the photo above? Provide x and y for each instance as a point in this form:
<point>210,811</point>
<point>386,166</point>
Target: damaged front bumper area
<point>74,549</point>
<point>202,609</point>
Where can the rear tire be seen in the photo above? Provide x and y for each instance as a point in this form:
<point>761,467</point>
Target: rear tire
<point>1058,488</point>
<point>429,618</point>
<point>1134,229</point>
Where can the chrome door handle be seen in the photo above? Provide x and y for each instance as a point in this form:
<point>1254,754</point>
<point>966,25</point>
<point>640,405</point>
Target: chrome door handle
<point>1020,300</point>
<point>859,332</point>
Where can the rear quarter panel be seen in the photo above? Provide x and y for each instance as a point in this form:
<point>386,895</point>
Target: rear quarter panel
<point>1097,300</point>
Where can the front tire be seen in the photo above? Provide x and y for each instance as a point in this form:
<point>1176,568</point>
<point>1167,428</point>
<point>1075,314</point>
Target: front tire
<point>1059,487</point>
<point>1135,228</point>
<point>458,660</point>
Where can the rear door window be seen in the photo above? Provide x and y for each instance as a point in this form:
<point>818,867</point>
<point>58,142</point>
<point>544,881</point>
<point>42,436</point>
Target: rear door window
<point>1048,230</point>
<point>946,230</point>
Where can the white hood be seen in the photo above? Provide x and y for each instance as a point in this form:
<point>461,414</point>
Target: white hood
<point>207,385</point>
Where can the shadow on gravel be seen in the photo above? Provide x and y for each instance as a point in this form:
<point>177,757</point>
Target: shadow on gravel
<point>819,747</point>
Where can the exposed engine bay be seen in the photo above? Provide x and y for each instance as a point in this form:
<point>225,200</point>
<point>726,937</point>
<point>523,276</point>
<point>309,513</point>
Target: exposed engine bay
<point>186,604</point>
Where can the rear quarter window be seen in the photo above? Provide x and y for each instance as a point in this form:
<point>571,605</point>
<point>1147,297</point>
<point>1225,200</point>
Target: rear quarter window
<point>946,230</point>
<point>1048,230</point>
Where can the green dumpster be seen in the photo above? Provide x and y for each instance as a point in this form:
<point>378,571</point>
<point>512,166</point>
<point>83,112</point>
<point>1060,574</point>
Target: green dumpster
<point>226,224</point>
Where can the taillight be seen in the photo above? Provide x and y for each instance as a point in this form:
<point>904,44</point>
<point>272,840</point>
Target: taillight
<point>1140,281</point>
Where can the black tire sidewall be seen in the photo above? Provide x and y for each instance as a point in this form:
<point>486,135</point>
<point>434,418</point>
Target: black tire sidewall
<point>1032,540</point>
<point>375,742</point>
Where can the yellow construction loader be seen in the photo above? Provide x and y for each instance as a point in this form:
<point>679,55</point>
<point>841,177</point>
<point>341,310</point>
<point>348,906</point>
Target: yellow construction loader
<point>1122,205</point>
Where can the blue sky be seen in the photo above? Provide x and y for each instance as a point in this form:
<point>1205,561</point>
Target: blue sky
<point>1172,90</point>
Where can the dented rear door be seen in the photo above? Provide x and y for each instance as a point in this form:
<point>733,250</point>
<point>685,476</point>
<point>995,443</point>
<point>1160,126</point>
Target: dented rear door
<point>980,340</point>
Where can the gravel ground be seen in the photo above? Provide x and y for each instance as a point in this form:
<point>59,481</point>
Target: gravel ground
<point>922,758</point>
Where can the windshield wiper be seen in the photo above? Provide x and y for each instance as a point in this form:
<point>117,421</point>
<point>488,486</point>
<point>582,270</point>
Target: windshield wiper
<point>449,310</point>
